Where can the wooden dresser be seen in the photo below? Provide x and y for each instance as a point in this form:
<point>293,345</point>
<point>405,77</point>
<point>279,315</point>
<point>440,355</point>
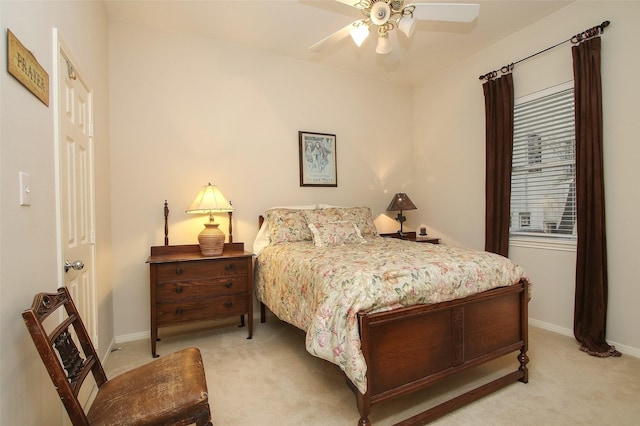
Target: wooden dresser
<point>186,286</point>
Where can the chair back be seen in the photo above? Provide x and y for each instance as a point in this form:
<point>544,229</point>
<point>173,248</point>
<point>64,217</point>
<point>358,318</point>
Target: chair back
<point>67,365</point>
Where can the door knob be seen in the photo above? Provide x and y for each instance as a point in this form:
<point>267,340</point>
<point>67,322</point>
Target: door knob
<point>77,265</point>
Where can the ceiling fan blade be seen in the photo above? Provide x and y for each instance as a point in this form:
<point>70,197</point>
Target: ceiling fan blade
<point>333,38</point>
<point>454,12</point>
<point>351,3</point>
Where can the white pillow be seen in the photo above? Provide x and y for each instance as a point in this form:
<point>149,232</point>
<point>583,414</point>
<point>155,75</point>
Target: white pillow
<point>262,239</point>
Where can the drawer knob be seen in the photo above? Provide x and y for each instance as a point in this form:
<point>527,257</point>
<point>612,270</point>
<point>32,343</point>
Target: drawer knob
<point>179,289</point>
<point>228,266</point>
<point>179,311</point>
<point>228,304</point>
<point>179,270</point>
<point>229,284</point>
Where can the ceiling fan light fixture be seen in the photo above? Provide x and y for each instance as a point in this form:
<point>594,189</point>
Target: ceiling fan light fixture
<point>384,45</point>
<point>387,15</point>
<point>360,33</point>
<point>407,25</point>
<point>380,13</point>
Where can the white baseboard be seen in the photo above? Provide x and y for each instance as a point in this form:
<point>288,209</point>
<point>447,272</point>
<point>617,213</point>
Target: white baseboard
<point>178,328</point>
<point>105,357</point>
<point>133,337</point>
<point>627,350</point>
<point>551,327</point>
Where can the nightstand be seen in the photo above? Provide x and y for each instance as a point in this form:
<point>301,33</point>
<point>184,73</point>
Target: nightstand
<point>411,236</point>
<point>425,239</point>
<point>187,287</point>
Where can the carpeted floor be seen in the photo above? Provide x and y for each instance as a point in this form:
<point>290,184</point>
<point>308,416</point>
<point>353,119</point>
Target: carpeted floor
<point>272,380</point>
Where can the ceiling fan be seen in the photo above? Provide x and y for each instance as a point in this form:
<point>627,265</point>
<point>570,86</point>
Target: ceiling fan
<point>387,15</point>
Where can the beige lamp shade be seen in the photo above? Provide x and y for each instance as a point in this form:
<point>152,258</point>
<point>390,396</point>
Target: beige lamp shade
<point>360,33</point>
<point>407,25</point>
<point>384,45</point>
<point>210,201</point>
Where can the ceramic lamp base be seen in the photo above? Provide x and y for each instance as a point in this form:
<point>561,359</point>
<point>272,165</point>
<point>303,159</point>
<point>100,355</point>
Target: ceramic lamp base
<point>211,240</point>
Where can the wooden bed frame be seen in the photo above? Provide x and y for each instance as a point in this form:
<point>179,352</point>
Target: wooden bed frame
<point>408,349</point>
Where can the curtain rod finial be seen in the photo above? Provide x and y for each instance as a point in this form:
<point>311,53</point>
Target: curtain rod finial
<point>604,25</point>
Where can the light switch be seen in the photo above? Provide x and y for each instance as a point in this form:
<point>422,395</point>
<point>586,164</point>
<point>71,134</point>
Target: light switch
<point>25,188</point>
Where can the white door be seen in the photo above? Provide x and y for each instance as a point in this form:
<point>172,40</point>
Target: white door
<point>75,181</point>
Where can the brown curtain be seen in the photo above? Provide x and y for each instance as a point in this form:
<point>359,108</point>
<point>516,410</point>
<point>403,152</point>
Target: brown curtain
<point>590,314</point>
<point>498,103</point>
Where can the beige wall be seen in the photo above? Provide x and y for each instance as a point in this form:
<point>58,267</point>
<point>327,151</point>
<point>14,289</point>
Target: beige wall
<point>28,244</point>
<point>186,111</point>
<point>449,127</point>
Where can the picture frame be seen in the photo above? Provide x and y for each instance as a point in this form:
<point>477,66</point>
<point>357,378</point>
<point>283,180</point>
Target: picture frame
<point>318,159</point>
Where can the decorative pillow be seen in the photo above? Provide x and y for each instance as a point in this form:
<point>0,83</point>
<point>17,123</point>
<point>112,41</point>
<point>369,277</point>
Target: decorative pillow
<point>338,233</point>
<point>287,225</point>
<point>362,218</point>
<point>323,215</point>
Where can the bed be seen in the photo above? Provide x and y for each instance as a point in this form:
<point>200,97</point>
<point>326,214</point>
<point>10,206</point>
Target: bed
<point>396,316</point>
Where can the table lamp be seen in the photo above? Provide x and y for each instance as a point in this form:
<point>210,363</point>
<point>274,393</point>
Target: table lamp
<point>210,201</point>
<point>401,201</point>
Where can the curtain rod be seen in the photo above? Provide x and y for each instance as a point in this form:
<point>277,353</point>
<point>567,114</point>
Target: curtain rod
<point>585,35</point>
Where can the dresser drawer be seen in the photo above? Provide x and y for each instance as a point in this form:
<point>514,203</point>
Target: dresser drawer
<point>194,289</point>
<point>183,271</point>
<point>203,309</point>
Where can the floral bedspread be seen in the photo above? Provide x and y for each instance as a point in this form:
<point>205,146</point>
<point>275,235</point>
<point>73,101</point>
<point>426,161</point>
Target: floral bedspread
<point>321,289</point>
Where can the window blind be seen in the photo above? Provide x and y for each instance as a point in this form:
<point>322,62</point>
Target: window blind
<point>543,180</point>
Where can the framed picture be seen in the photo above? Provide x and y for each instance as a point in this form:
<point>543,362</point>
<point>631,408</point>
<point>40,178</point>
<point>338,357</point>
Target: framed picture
<point>317,159</point>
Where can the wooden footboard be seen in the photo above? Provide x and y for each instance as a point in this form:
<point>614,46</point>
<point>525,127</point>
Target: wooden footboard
<point>412,348</point>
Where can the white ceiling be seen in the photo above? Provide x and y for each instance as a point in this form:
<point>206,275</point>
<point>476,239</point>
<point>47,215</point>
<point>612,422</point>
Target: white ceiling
<point>289,27</point>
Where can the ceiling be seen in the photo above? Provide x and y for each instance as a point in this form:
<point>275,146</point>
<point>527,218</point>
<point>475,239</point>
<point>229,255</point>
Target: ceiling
<point>288,27</point>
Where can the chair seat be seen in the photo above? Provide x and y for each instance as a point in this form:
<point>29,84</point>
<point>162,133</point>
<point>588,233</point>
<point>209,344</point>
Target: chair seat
<point>158,393</point>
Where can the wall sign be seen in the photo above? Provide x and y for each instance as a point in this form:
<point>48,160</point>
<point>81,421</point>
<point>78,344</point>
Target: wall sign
<point>25,68</point>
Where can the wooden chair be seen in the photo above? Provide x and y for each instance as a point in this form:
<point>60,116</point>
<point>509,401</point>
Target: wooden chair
<point>171,390</point>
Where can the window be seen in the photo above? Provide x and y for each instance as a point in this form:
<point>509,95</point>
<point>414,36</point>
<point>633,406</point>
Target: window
<point>543,181</point>
<point>534,151</point>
